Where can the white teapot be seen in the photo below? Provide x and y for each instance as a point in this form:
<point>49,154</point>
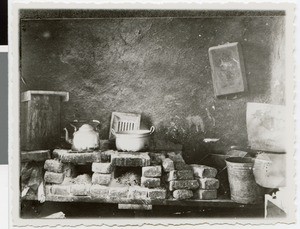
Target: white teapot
<point>85,138</point>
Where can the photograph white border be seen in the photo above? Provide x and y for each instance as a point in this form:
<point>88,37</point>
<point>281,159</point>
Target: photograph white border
<point>14,110</point>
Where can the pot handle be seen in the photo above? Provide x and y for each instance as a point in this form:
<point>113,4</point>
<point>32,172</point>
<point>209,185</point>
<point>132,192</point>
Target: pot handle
<point>113,132</point>
<point>152,129</point>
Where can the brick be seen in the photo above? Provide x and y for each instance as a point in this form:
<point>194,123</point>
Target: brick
<point>180,175</point>
<point>137,193</point>
<point>175,156</point>
<point>157,194</point>
<point>99,191</point>
<point>182,194</point>
<point>130,159</point>
<point>183,184</point>
<point>102,167</point>
<point>36,155</point>
<point>151,171</point>
<point>135,206</point>
<point>168,165</point>
<point>102,179</point>
<point>55,178</point>
<point>53,166</point>
<point>80,190</point>
<point>205,194</point>
<point>157,158</point>
<point>118,193</point>
<point>204,171</point>
<point>180,165</point>
<point>48,190</point>
<point>67,156</point>
<point>61,190</point>
<point>150,182</point>
<point>208,183</point>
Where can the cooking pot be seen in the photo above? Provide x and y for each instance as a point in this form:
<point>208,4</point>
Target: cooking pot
<point>133,140</point>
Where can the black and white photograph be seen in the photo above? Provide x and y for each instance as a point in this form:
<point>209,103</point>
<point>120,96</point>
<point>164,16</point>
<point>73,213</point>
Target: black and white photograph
<point>156,113</point>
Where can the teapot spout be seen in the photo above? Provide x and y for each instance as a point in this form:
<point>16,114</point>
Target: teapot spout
<point>67,136</point>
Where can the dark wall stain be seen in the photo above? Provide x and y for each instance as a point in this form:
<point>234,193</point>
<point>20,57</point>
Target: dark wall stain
<point>155,66</point>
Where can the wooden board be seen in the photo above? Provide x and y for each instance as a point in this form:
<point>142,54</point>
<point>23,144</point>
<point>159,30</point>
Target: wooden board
<point>123,122</point>
<point>228,71</point>
<point>266,127</point>
<point>40,120</point>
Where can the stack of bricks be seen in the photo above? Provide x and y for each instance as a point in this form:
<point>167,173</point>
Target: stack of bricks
<point>208,184</point>
<point>179,176</point>
<point>103,173</point>
<point>151,179</point>
<point>54,171</point>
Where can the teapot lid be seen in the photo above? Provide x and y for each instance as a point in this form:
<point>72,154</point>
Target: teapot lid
<point>86,127</point>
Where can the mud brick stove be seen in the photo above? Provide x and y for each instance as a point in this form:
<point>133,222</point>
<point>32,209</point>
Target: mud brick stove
<point>134,180</point>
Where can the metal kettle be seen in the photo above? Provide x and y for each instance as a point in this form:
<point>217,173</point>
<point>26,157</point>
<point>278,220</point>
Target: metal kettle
<point>85,138</point>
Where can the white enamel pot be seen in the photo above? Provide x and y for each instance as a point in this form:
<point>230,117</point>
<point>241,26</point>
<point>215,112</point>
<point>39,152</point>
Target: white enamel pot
<point>133,140</point>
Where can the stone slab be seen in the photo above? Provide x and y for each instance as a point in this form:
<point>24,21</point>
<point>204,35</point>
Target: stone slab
<point>204,171</point>
<point>183,184</point>
<point>53,165</point>
<point>105,168</point>
<point>157,194</point>
<point>150,182</point>
<point>168,165</point>
<point>151,171</point>
<point>55,178</point>
<point>205,194</point>
<point>68,156</point>
<point>36,155</point>
<point>180,175</point>
<point>182,194</point>
<point>209,183</point>
<point>130,159</point>
<point>102,179</point>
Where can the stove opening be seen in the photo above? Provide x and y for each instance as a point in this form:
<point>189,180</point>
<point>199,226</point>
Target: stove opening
<point>128,176</point>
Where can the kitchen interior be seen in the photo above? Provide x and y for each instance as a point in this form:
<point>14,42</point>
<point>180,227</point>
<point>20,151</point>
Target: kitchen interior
<point>152,113</point>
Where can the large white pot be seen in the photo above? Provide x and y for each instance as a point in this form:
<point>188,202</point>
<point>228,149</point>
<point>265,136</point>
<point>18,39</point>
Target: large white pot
<point>133,140</point>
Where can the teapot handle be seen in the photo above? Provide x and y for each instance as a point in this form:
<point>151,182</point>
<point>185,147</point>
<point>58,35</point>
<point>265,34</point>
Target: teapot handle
<point>152,129</point>
<point>75,128</point>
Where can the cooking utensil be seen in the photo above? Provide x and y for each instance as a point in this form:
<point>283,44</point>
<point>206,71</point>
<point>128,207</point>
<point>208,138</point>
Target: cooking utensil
<point>85,138</point>
<point>133,140</point>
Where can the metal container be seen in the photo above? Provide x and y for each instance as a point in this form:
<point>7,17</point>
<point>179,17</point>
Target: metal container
<point>243,187</point>
<point>133,140</point>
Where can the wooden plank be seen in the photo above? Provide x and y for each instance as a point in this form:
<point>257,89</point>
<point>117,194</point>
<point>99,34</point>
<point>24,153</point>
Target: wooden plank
<point>228,71</point>
<point>26,96</point>
<point>266,127</point>
<point>41,128</point>
<point>226,203</point>
<point>37,155</point>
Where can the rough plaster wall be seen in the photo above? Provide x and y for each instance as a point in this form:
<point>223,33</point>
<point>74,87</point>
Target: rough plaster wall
<point>155,66</point>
